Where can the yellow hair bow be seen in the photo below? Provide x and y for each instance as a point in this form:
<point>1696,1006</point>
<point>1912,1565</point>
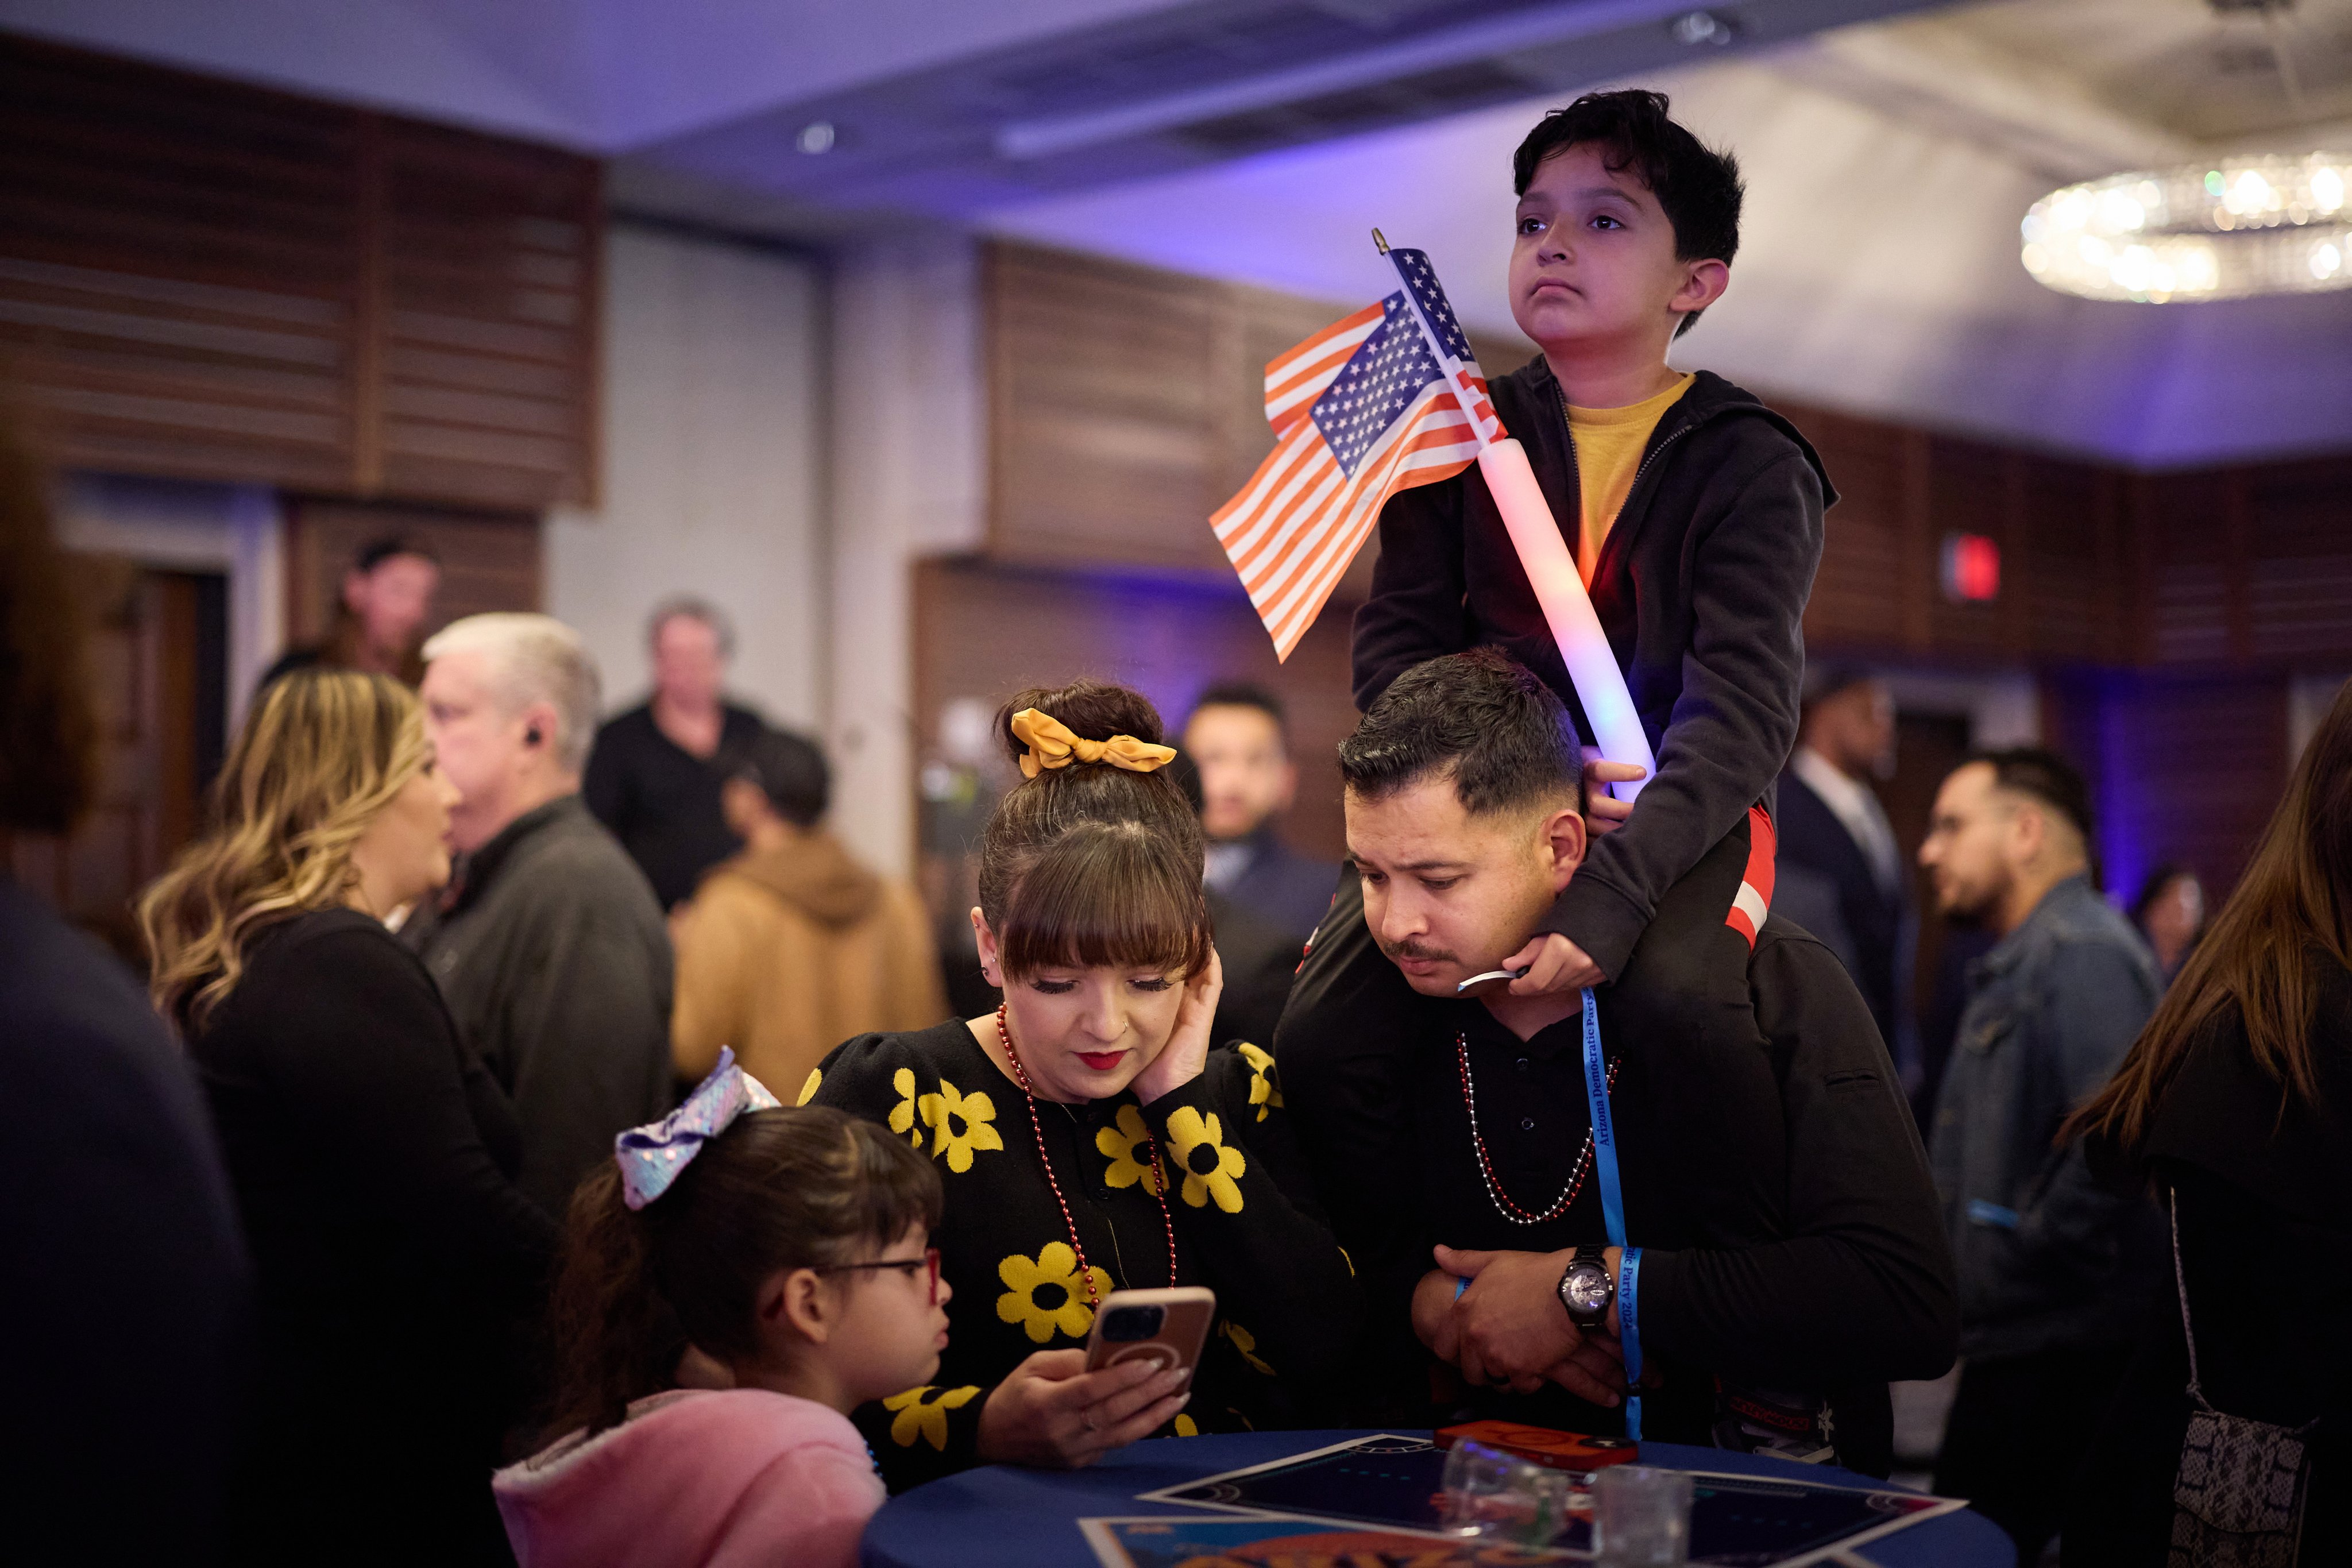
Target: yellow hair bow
<point>1052,745</point>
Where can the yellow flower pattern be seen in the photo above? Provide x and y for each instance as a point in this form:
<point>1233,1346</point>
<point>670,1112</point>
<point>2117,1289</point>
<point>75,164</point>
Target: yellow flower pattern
<point>1245,1343</point>
<point>1044,1294</point>
<point>902,1115</point>
<point>1265,1088</point>
<point>923,1412</point>
<point>1128,1146</point>
<point>1210,1170</point>
<point>1186,1426</point>
<point>959,1123</point>
<point>808,1085</point>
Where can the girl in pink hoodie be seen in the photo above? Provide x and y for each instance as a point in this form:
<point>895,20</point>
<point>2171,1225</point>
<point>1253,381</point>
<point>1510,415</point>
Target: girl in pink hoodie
<point>792,1248</point>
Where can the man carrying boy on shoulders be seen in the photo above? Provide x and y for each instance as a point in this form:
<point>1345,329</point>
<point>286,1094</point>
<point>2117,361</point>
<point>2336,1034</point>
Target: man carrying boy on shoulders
<point>1461,808</point>
<point>1695,513</point>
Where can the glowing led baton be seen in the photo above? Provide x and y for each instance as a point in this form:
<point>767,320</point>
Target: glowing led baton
<point>1535,534</point>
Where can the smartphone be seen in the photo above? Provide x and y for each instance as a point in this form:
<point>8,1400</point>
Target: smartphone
<point>1167,1328</point>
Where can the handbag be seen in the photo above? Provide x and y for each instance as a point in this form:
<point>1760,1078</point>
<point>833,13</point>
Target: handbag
<point>2237,1498</point>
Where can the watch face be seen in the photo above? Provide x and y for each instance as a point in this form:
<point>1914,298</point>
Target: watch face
<point>1586,1290</point>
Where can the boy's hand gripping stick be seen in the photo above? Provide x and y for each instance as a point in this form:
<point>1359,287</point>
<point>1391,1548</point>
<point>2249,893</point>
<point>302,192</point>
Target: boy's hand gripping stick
<point>1536,536</point>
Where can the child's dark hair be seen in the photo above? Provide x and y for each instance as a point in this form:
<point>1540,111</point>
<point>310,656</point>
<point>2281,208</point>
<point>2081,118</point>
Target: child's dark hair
<point>1091,864</point>
<point>803,1188</point>
<point>1698,188</point>
<point>1487,722</point>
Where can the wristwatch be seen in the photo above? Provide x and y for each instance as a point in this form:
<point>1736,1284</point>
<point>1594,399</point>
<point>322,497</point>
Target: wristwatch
<point>1586,1290</point>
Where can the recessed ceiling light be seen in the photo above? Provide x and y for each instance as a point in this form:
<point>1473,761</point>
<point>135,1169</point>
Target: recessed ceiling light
<point>817,136</point>
<point>1697,28</point>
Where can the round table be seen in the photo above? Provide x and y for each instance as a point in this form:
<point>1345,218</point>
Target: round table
<point>1015,1518</point>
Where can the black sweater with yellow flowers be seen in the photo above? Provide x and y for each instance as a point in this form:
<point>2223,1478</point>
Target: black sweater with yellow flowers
<point>1235,1202</point>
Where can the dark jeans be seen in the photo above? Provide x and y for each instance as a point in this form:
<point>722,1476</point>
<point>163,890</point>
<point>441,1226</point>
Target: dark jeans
<point>1352,1025</point>
<point>2019,1427</point>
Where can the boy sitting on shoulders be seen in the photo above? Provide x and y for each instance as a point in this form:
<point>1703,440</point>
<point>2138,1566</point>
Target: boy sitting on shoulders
<point>1696,516</point>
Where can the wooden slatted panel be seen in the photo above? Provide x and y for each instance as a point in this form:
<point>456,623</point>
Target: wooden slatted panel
<point>1858,594</point>
<point>2191,770</point>
<point>204,280</point>
<point>2299,565</point>
<point>487,562</point>
<point>985,631</point>
<point>1107,429</point>
<point>178,261</point>
<point>2068,570</point>
<point>488,320</point>
<point>2183,531</point>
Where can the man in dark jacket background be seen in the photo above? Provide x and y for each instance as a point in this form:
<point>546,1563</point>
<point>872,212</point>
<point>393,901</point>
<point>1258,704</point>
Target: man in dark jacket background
<point>548,944</point>
<point>1239,742</point>
<point>2056,1273</point>
<point>1830,823</point>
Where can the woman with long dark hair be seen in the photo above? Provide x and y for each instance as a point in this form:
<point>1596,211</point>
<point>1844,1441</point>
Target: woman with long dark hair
<point>790,1248</point>
<point>2235,1107</point>
<point>1089,1138</point>
<point>370,1156</point>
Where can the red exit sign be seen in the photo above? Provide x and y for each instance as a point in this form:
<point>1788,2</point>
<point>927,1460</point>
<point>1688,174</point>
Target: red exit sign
<point>1971,569</point>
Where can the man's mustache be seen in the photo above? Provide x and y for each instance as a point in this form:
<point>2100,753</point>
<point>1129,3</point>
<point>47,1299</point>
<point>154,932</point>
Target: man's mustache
<point>1417,952</point>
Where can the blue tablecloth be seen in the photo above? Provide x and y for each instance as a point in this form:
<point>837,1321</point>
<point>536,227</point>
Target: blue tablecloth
<point>1005,1517</point>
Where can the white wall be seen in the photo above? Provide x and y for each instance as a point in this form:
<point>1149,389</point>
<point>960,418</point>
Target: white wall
<point>714,458</point>
<point>908,470</point>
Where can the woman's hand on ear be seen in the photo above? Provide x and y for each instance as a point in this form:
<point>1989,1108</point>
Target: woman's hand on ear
<point>1179,1062</point>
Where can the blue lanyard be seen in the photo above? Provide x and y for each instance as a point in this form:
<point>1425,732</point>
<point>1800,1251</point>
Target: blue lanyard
<point>1612,1211</point>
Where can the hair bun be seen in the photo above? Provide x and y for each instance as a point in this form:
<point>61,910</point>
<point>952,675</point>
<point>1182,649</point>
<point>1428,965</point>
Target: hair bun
<point>1094,709</point>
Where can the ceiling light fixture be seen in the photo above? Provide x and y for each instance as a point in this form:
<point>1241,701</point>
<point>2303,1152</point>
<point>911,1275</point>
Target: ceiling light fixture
<point>2229,230</point>
<point>1696,29</point>
<point>817,136</point>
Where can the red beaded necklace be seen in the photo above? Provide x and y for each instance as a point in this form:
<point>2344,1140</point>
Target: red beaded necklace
<point>1495,1193</point>
<point>1159,1179</point>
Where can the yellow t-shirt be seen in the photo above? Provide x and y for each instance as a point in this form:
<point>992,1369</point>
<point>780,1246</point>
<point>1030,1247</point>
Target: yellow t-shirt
<point>1609,443</point>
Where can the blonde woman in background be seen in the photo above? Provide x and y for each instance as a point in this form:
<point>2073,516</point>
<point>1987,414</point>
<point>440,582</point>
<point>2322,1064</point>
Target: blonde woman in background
<point>371,1157</point>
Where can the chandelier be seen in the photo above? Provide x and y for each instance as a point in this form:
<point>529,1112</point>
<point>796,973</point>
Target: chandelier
<point>2229,229</point>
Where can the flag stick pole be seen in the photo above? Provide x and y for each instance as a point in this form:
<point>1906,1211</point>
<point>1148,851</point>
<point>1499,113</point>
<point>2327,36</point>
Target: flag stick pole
<point>1551,570</point>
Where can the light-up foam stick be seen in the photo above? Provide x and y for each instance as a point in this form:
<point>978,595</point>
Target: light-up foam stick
<point>1535,534</point>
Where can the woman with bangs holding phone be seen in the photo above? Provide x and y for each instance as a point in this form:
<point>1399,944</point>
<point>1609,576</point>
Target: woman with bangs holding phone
<point>1089,1138</point>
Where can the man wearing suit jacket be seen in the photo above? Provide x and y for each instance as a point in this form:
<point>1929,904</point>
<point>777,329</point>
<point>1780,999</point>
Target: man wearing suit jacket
<point>1831,826</point>
<point>1237,740</point>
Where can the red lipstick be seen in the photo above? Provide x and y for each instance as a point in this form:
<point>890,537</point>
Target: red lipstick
<point>1101,1061</point>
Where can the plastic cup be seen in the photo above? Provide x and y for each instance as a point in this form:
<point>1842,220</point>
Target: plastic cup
<point>1493,1495</point>
<point>1641,1517</point>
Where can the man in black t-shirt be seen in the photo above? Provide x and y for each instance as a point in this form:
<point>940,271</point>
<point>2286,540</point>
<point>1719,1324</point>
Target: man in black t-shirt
<point>656,771</point>
<point>1463,820</point>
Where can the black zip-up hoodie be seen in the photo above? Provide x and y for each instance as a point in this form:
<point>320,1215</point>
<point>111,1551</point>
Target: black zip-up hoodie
<point>1701,587</point>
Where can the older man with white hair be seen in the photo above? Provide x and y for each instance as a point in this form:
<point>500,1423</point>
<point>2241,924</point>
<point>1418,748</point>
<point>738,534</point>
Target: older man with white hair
<point>548,944</point>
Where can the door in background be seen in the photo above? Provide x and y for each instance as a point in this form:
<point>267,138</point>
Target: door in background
<point>157,654</point>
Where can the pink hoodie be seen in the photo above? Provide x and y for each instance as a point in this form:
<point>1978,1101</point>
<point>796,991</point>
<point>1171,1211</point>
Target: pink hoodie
<point>697,1479</point>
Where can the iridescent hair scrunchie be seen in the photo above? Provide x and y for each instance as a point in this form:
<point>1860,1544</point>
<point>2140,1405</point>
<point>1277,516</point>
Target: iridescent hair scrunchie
<point>651,1156</point>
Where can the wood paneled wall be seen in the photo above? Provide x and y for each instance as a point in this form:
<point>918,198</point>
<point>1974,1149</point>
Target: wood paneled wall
<point>205,280</point>
<point>1126,404</point>
<point>487,562</point>
<point>985,631</point>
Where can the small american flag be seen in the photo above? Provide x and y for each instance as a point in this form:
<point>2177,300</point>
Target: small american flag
<point>1366,407</point>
